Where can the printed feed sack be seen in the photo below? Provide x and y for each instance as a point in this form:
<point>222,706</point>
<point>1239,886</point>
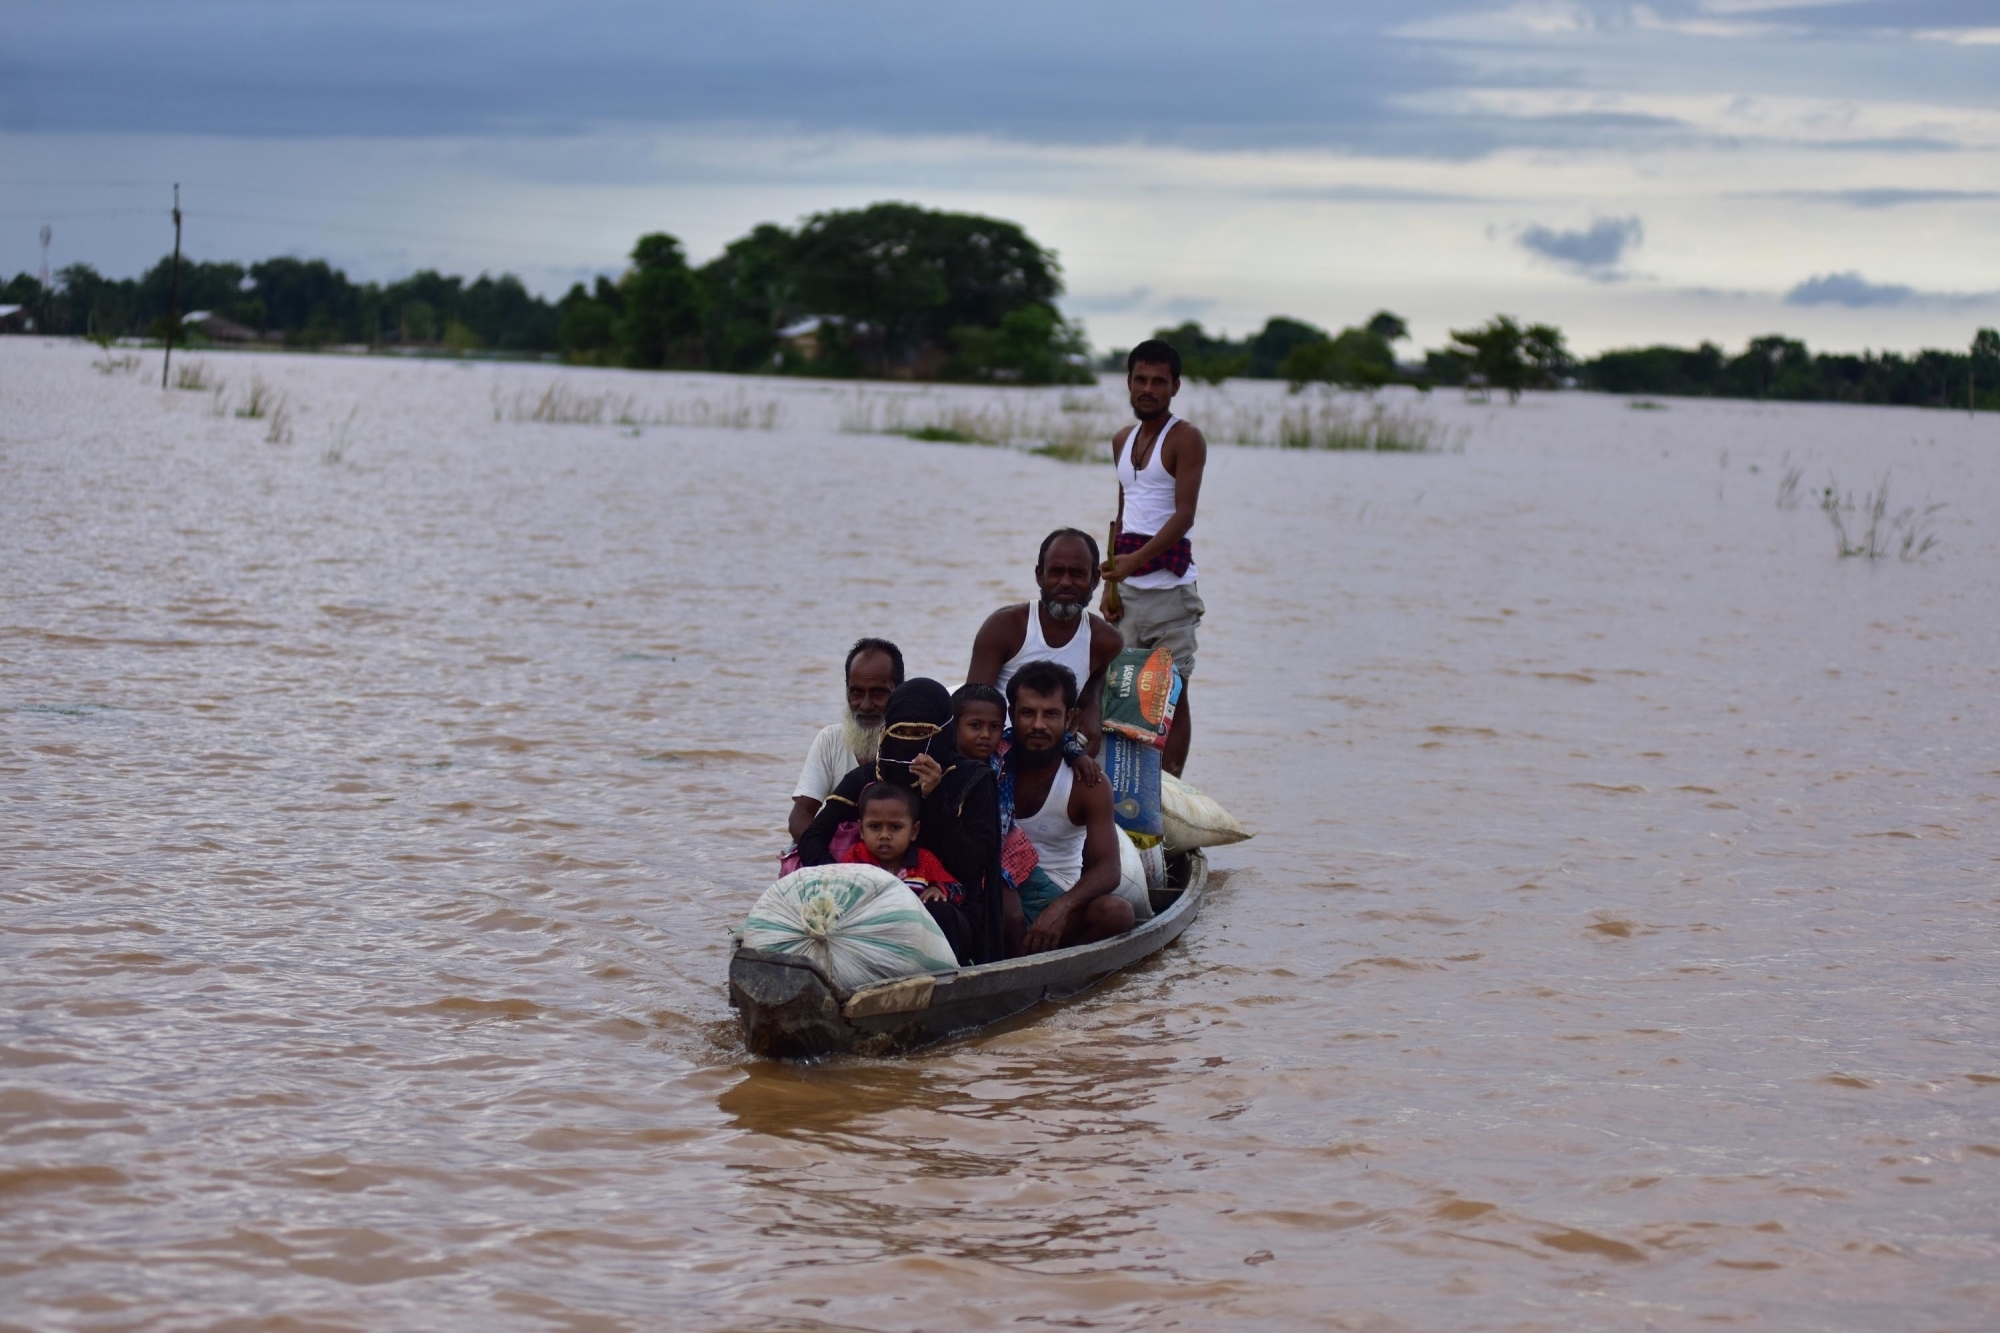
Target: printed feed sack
<point>1141,690</point>
<point>1133,770</point>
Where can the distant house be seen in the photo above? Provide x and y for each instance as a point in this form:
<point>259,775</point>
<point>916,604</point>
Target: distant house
<point>217,329</point>
<point>809,338</point>
<point>802,337</point>
<point>16,319</point>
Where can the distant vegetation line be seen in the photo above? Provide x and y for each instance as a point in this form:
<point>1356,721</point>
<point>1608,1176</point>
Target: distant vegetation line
<point>1503,356</point>
<point>898,291</point>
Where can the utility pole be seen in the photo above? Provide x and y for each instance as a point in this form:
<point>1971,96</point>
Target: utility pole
<point>173,288</point>
<point>42,315</point>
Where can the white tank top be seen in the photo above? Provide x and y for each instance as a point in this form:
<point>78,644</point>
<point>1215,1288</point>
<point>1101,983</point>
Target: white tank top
<point>1058,842</point>
<point>1034,648</point>
<point>1149,502</point>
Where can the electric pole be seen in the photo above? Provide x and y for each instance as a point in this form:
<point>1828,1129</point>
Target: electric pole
<point>173,288</point>
<point>42,315</point>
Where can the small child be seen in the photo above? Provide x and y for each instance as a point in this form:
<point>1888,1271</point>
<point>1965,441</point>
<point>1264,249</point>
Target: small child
<point>982,729</point>
<point>889,819</point>
<point>981,712</point>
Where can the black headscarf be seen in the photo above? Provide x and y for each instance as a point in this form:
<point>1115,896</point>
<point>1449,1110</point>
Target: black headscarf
<point>917,721</point>
<point>961,816</point>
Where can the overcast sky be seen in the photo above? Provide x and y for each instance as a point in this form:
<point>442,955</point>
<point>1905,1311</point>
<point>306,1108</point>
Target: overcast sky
<point>1668,171</point>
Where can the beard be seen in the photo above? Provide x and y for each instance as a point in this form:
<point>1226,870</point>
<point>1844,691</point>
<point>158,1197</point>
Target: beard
<point>1064,610</point>
<point>1029,757</point>
<point>864,738</point>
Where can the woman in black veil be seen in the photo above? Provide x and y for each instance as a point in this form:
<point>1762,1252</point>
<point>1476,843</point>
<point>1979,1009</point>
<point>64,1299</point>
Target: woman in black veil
<point>961,812</point>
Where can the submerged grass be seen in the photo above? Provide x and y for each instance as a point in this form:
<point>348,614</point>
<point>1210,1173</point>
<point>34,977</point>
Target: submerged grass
<point>1788,487</point>
<point>1072,429</point>
<point>1337,423</point>
<point>560,404</point>
<point>280,429</point>
<point>193,376</point>
<point>1869,530</point>
<point>336,449</point>
<point>258,403</point>
<point>1078,428</point>
<point>941,435</point>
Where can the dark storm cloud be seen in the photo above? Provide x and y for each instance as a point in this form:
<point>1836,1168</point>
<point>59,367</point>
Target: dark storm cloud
<point>1852,290</point>
<point>1173,72</point>
<point>1594,251</point>
<point>1883,198</point>
<point>1370,76</point>
<point>1848,289</point>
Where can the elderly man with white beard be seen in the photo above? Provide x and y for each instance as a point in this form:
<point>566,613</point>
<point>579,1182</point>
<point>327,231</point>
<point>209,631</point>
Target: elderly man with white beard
<point>1057,628</point>
<point>874,669</point>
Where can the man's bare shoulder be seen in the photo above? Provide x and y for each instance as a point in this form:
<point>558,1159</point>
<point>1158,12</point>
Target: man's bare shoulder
<point>1089,804</point>
<point>1008,627</point>
<point>1000,637</point>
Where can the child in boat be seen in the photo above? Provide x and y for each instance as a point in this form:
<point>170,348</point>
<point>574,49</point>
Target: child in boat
<point>889,824</point>
<point>980,712</point>
<point>888,829</point>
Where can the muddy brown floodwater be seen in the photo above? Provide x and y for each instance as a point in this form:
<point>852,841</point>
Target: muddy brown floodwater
<point>1617,949</point>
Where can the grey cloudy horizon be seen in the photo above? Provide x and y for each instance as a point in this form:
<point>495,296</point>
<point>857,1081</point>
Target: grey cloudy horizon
<point>1610,166</point>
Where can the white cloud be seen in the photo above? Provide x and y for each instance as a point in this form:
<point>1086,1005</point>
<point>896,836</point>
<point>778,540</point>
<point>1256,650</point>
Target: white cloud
<point>1960,36</point>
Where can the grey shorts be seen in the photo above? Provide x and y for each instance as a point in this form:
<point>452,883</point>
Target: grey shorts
<point>1163,616</point>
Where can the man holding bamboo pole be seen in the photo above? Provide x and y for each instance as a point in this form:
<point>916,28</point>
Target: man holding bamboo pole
<point>1149,580</point>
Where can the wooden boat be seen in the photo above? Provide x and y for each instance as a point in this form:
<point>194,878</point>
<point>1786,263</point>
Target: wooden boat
<point>790,1010</point>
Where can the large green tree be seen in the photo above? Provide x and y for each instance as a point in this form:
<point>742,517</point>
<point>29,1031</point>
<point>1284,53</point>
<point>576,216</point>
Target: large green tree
<point>1357,359</point>
<point>902,279</point>
<point>1269,346</point>
<point>749,291</point>
<point>661,325</point>
<point>1033,345</point>
<point>1205,358</point>
<point>1494,355</point>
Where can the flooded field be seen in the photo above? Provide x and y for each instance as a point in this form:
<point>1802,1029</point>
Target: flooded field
<point>380,776</point>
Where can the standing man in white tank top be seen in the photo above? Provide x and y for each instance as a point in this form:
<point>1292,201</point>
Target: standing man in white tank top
<point>1160,462</point>
<point>1057,628</point>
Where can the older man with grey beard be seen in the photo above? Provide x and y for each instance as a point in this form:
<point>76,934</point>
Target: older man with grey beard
<point>874,669</point>
<point>1057,628</point>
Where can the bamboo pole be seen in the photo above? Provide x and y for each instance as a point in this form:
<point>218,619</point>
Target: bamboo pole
<point>1112,601</point>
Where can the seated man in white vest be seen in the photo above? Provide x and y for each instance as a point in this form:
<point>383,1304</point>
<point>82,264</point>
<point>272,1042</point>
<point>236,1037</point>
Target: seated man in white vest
<point>1071,897</point>
<point>1058,627</point>
<point>874,669</point>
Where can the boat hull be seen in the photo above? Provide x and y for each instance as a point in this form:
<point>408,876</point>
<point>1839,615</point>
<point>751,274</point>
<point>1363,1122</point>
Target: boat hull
<point>790,1010</point>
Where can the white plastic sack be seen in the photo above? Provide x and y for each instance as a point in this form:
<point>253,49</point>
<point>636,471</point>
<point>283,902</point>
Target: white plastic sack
<point>1189,820</point>
<point>1132,879</point>
<point>858,923</point>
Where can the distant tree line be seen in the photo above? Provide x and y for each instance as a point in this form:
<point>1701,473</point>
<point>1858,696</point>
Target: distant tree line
<point>1503,355</point>
<point>1499,354</point>
<point>894,290</point>
<point>890,290</point>
<point>298,302</point>
<point>1782,368</point>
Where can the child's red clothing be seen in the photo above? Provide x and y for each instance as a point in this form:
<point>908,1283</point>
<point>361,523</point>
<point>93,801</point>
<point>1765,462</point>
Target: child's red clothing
<point>920,870</point>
